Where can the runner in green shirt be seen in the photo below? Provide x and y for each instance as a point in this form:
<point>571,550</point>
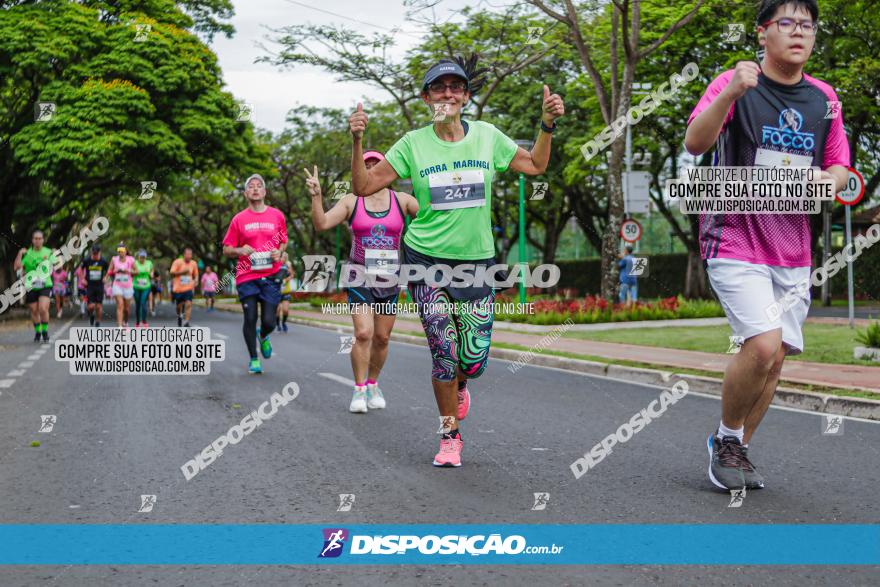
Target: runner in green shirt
<point>37,263</point>
<point>143,271</point>
<point>452,164</point>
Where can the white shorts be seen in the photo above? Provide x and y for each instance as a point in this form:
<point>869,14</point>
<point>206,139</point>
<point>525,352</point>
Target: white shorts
<point>126,292</point>
<point>761,298</point>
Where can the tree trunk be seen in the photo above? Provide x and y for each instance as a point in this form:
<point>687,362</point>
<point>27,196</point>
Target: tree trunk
<point>696,281</point>
<point>696,285</point>
<point>611,238</point>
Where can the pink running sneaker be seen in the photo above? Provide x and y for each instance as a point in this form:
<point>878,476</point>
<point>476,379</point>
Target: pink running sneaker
<point>464,403</point>
<point>450,453</point>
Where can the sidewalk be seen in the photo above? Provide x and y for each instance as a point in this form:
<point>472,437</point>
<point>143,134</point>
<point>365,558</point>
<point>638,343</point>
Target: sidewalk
<point>802,372</point>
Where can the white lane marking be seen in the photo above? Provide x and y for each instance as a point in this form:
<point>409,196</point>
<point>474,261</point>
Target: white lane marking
<point>25,365</point>
<point>594,376</point>
<point>338,379</point>
<point>540,449</point>
<point>218,335</point>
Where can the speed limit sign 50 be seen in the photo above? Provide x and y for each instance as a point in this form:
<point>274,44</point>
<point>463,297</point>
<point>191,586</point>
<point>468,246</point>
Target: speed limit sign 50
<point>630,231</point>
<point>855,189</point>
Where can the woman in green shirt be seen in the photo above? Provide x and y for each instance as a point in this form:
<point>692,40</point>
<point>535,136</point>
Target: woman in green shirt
<point>143,272</point>
<point>452,163</point>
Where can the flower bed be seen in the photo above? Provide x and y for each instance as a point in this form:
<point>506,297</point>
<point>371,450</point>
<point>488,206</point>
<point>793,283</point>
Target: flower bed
<point>315,299</point>
<point>593,309</point>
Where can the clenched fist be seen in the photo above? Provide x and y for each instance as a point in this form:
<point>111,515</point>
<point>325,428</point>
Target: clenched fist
<point>745,77</point>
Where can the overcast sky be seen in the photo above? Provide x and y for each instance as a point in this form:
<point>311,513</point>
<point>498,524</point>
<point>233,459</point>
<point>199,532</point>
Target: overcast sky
<point>272,91</point>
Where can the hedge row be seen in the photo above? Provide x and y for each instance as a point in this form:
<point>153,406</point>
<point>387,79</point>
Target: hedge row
<point>666,276</point>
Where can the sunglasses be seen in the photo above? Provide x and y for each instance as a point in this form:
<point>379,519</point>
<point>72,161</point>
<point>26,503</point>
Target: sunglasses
<point>454,87</point>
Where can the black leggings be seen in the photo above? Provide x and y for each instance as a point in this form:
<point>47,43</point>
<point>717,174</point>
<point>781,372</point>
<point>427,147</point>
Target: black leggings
<point>267,325</point>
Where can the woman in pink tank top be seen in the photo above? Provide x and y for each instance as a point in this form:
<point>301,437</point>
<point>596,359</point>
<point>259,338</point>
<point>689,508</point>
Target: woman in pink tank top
<point>376,224</point>
<point>122,286</point>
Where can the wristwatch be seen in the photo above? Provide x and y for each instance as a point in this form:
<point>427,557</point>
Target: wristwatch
<point>548,129</point>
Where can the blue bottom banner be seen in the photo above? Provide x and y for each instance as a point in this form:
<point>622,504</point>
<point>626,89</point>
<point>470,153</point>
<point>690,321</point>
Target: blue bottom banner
<point>607,544</point>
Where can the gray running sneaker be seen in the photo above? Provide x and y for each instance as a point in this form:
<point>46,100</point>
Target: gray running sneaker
<point>729,465</point>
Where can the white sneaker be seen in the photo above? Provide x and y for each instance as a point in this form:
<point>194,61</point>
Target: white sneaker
<point>358,400</point>
<point>375,399</point>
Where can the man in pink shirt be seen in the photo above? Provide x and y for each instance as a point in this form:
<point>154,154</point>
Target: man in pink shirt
<point>771,115</point>
<point>256,237</point>
<point>209,286</point>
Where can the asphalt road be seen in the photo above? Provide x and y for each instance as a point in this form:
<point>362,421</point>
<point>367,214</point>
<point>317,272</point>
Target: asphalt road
<point>118,437</point>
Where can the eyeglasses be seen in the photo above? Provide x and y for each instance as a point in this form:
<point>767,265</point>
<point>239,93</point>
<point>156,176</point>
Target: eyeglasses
<point>455,87</point>
<point>788,25</point>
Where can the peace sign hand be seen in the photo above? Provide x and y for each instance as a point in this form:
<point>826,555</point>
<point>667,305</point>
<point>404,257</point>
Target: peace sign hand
<point>313,182</point>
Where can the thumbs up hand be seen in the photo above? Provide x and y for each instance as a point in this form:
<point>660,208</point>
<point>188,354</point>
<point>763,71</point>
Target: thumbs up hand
<point>552,107</point>
<point>357,122</point>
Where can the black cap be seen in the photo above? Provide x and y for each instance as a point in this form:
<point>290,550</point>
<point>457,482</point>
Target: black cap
<point>441,69</point>
<point>96,248</point>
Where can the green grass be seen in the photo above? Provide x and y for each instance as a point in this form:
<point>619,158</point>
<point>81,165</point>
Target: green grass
<point>824,343</point>
<point>844,303</point>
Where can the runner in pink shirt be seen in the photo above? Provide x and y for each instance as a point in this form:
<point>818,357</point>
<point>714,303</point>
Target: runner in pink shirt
<point>256,237</point>
<point>209,287</point>
<point>771,115</point>
<point>121,270</point>
<point>59,288</point>
<point>81,288</point>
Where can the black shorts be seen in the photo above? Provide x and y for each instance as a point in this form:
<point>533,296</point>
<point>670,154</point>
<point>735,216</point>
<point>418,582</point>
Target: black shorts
<point>208,294</point>
<point>81,292</point>
<point>359,296</point>
<point>285,297</point>
<point>95,293</point>
<point>34,295</point>
<point>184,296</point>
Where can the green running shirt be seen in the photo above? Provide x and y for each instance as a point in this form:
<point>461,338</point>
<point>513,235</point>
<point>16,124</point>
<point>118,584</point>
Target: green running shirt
<point>453,184</point>
<point>37,273</point>
<point>142,274</point>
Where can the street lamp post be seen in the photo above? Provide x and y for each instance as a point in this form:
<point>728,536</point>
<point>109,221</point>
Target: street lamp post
<point>639,89</point>
<point>527,145</point>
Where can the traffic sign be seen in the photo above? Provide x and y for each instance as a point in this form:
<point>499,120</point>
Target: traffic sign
<point>630,231</point>
<point>854,191</point>
<point>636,192</point>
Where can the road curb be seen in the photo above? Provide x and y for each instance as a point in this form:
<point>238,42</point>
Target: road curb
<point>785,396</point>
